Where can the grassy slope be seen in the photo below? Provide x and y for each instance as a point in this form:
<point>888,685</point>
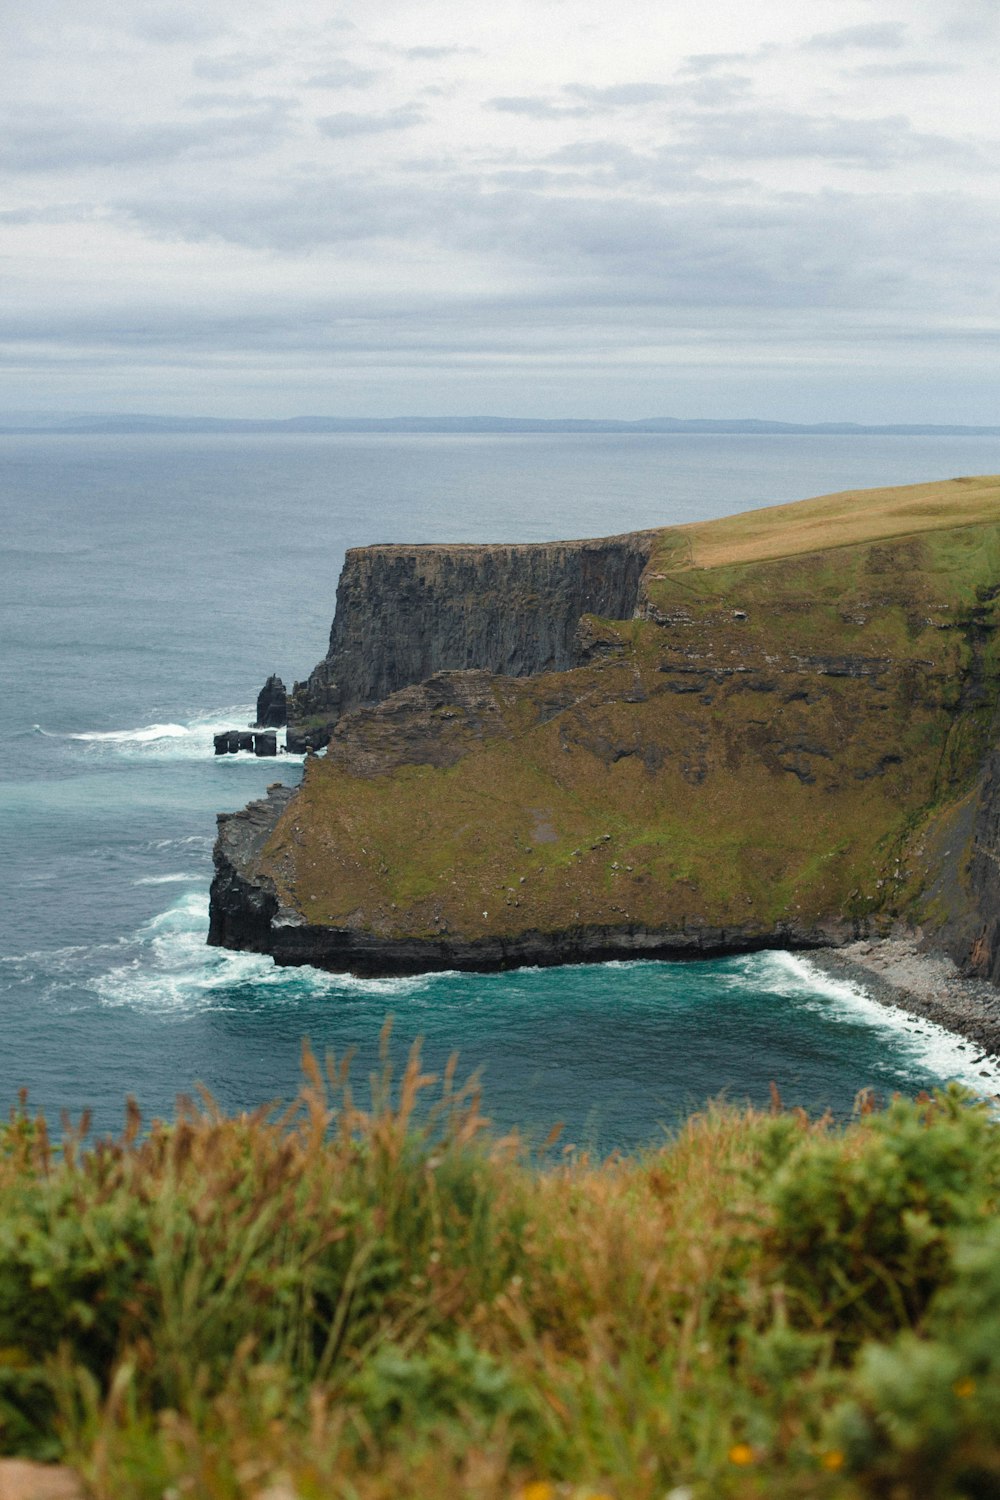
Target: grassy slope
<point>381,1306</point>
<point>707,772</point>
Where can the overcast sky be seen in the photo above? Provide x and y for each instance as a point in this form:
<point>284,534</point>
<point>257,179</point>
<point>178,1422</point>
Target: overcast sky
<point>784,208</point>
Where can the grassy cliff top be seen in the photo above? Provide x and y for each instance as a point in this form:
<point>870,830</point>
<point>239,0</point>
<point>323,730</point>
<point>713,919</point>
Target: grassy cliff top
<point>846,519</point>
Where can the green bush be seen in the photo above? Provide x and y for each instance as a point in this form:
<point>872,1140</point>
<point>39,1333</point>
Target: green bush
<point>925,1411</point>
<point>862,1226</point>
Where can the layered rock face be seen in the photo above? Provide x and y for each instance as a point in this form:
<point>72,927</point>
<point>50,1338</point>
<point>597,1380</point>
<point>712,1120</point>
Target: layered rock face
<point>779,729</point>
<point>405,613</point>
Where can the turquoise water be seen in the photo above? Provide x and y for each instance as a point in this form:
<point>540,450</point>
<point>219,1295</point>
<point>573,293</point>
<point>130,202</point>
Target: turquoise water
<point>150,584</point>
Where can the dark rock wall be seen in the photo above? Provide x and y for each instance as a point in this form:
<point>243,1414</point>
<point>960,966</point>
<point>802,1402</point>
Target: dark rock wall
<point>404,613</point>
<point>964,904</point>
<point>983,956</point>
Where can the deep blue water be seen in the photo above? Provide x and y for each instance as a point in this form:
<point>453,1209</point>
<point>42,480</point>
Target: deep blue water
<point>149,585</point>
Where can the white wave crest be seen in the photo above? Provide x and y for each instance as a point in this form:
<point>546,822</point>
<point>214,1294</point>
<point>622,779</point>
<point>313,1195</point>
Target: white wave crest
<point>146,736</point>
<point>193,740</point>
<point>172,968</point>
<point>922,1044</point>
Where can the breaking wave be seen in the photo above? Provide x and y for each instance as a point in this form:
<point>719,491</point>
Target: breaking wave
<point>193,740</point>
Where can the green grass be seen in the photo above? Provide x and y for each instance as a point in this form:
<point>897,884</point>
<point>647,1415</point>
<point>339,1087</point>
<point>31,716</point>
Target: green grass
<point>346,1304</point>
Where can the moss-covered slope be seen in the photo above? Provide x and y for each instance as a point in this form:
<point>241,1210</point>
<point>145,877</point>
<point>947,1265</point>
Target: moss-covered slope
<point>756,757</point>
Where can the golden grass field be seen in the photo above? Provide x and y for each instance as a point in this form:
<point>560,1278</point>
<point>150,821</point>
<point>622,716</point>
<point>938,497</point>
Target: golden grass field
<point>847,519</point>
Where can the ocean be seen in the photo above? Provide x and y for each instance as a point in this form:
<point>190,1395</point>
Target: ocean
<point>150,584</point>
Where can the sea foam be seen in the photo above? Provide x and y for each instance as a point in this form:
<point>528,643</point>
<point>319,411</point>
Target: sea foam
<point>923,1044</point>
<point>193,740</point>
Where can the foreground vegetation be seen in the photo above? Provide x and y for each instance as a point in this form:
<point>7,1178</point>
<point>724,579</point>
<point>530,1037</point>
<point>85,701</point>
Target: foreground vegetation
<point>330,1302</point>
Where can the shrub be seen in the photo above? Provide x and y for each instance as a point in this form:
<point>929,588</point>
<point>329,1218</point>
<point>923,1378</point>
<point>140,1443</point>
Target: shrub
<point>863,1223</point>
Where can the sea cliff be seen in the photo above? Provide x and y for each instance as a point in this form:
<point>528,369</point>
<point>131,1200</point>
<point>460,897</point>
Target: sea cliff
<point>404,613</point>
<point>775,729</point>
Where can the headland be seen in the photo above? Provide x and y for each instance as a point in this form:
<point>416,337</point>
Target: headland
<point>778,729</point>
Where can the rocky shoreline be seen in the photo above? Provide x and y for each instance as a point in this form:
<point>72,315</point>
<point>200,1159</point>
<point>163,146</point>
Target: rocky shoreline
<point>898,972</point>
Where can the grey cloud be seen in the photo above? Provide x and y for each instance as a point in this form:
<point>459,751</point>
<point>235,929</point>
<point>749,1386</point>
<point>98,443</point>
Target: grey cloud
<point>175,27</point>
<point>610,163</point>
<point>915,69</point>
<point>783,251</point>
<point>346,123</point>
<point>50,213</point>
<point>48,141</point>
<point>621,93</point>
<point>536,107</point>
<point>341,74</point>
<point>773,134</point>
<point>707,62</point>
<point>595,100</point>
<point>278,102</point>
<point>712,92</point>
<point>434,54</point>
<point>966,21</point>
<point>232,65</point>
<point>888,35</point>
<point>298,215</point>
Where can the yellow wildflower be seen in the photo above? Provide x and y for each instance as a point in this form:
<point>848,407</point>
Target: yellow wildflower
<point>741,1453</point>
<point>538,1489</point>
<point>964,1388</point>
<point>833,1460</point>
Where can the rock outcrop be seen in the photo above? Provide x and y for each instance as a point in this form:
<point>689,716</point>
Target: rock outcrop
<point>272,704</point>
<point>780,729</point>
<point>405,613</point>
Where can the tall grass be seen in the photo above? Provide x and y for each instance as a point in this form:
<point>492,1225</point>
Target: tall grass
<point>330,1301</point>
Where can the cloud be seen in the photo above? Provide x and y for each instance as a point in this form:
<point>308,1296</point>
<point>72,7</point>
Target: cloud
<point>807,250</point>
<point>621,94</point>
<point>776,134</point>
<point>914,69</point>
<point>56,141</point>
<point>593,100</point>
<point>346,123</point>
<point>232,65</point>
<point>176,26</point>
<point>609,163</point>
<point>435,54</point>
<point>707,62</point>
<point>239,101</point>
<point>965,21</point>
<point>883,35</point>
<point>600,193</point>
<point>537,107</point>
<point>341,74</point>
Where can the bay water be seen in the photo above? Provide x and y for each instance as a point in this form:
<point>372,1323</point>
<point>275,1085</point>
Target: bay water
<point>150,584</point>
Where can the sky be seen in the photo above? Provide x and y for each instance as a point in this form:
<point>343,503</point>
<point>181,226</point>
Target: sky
<point>550,208</point>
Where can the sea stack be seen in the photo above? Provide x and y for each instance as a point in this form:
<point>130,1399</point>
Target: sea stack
<point>272,704</point>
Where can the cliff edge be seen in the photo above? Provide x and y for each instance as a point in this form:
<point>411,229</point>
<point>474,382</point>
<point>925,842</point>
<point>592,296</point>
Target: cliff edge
<point>775,729</point>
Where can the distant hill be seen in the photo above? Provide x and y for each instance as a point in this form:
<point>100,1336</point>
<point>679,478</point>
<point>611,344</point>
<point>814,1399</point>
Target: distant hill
<point>143,422</point>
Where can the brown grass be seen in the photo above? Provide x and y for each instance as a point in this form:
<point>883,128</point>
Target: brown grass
<point>841,520</point>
